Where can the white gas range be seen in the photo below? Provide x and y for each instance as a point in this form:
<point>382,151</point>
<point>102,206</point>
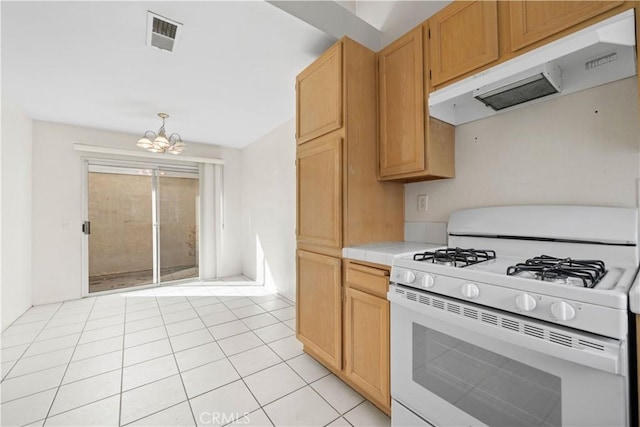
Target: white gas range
<point>520,330</point>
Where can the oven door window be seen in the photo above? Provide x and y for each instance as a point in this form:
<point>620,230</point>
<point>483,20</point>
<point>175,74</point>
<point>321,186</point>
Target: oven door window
<point>494,389</point>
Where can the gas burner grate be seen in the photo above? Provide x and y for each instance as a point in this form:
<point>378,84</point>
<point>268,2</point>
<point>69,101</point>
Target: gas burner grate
<point>456,257</point>
<point>561,270</point>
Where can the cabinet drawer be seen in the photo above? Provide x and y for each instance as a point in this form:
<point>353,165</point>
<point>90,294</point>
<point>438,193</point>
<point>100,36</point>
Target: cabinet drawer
<point>368,279</point>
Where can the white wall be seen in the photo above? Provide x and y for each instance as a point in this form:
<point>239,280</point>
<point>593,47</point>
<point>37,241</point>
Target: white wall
<point>16,212</point>
<point>394,18</point>
<point>57,205</point>
<point>577,149</point>
<point>269,209</point>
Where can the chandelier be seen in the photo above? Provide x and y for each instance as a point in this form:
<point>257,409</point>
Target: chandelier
<point>160,143</point>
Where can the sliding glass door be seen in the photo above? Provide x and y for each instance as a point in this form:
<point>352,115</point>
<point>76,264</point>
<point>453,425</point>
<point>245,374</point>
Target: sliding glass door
<point>178,220</point>
<point>142,226</point>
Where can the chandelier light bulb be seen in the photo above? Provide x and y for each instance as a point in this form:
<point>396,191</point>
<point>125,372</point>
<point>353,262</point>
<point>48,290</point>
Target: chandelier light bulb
<point>144,142</point>
<point>161,141</point>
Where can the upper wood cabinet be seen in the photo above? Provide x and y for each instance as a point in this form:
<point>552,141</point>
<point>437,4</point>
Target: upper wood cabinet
<point>412,145</point>
<point>467,37</point>
<point>319,170</point>
<point>464,37</point>
<point>319,306</point>
<point>319,96</point>
<point>532,21</point>
<point>340,200</point>
<point>401,97</point>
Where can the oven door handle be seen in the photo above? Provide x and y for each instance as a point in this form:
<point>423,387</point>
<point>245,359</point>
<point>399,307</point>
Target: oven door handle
<point>602,353</point>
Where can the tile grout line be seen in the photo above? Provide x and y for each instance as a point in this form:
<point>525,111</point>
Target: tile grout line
<point>156,412</point>
<point>124,334</point>
<point>56,366</point>
<point>77,407</point>
<point>296,372</point>
<point>31,343</point>
<point>175,360</point>
<point>227,357</point>
<point>68,363</point>
<point>61,385</point>
<point>308,384</point>
<point>198,315</point>
<point>58,349</point>
<point>242,378</point>
<point>234,368</point>
<point>282,360</point>
<point>61,336</point>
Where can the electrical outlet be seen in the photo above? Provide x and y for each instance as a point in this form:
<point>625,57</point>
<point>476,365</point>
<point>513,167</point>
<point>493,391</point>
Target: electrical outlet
<point>423,203</point>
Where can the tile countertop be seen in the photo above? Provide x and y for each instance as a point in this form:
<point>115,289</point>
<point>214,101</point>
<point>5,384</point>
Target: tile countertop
<point>634,296</point>
<point>383,253</point>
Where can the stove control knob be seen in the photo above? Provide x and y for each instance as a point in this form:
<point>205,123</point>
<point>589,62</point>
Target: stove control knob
<point>525,302</point>
<point>563,311</point>
<point>408,277</point>
<point>470,290</point>
<point>428,281</point>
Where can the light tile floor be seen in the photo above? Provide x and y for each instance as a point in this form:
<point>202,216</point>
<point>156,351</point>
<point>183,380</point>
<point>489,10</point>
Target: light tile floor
<point>201,354</point>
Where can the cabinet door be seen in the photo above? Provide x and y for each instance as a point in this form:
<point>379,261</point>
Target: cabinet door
<point>319,171</point>
<point>464,37</point>
<point>401,97</point>
<point>367,343</point>
<point>532,21</point>
<point>319,306</point>
<point>319,96</point>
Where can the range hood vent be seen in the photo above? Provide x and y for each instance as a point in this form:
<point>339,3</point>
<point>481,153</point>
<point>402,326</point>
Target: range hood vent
<point>539,82</point>
<point>599,54</point>
<point>162,33</point>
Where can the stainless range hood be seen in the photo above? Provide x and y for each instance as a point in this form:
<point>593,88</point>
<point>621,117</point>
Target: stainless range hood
<point>596,55</point>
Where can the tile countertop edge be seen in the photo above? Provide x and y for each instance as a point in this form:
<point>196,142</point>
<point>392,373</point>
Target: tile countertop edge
<point>634,296</point>
<point>383,253</point>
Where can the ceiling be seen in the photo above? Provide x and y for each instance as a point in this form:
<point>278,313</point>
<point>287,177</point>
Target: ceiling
<point>229,81</point>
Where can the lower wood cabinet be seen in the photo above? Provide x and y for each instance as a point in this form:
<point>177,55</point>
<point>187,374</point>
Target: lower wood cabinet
<point>366,343</point>
<point>343,322</point>
<point>319,306</point>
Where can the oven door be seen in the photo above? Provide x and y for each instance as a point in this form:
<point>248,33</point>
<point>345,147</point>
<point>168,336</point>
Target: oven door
<point>459,364</point>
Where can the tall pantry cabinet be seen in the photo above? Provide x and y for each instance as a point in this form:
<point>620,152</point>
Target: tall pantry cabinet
<point>340,201</point>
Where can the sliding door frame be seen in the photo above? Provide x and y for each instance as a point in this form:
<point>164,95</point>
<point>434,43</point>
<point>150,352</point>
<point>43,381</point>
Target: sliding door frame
<point>155,167</point>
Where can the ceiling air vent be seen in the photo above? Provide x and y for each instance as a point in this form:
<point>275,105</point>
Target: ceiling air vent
<point>162,33</point>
